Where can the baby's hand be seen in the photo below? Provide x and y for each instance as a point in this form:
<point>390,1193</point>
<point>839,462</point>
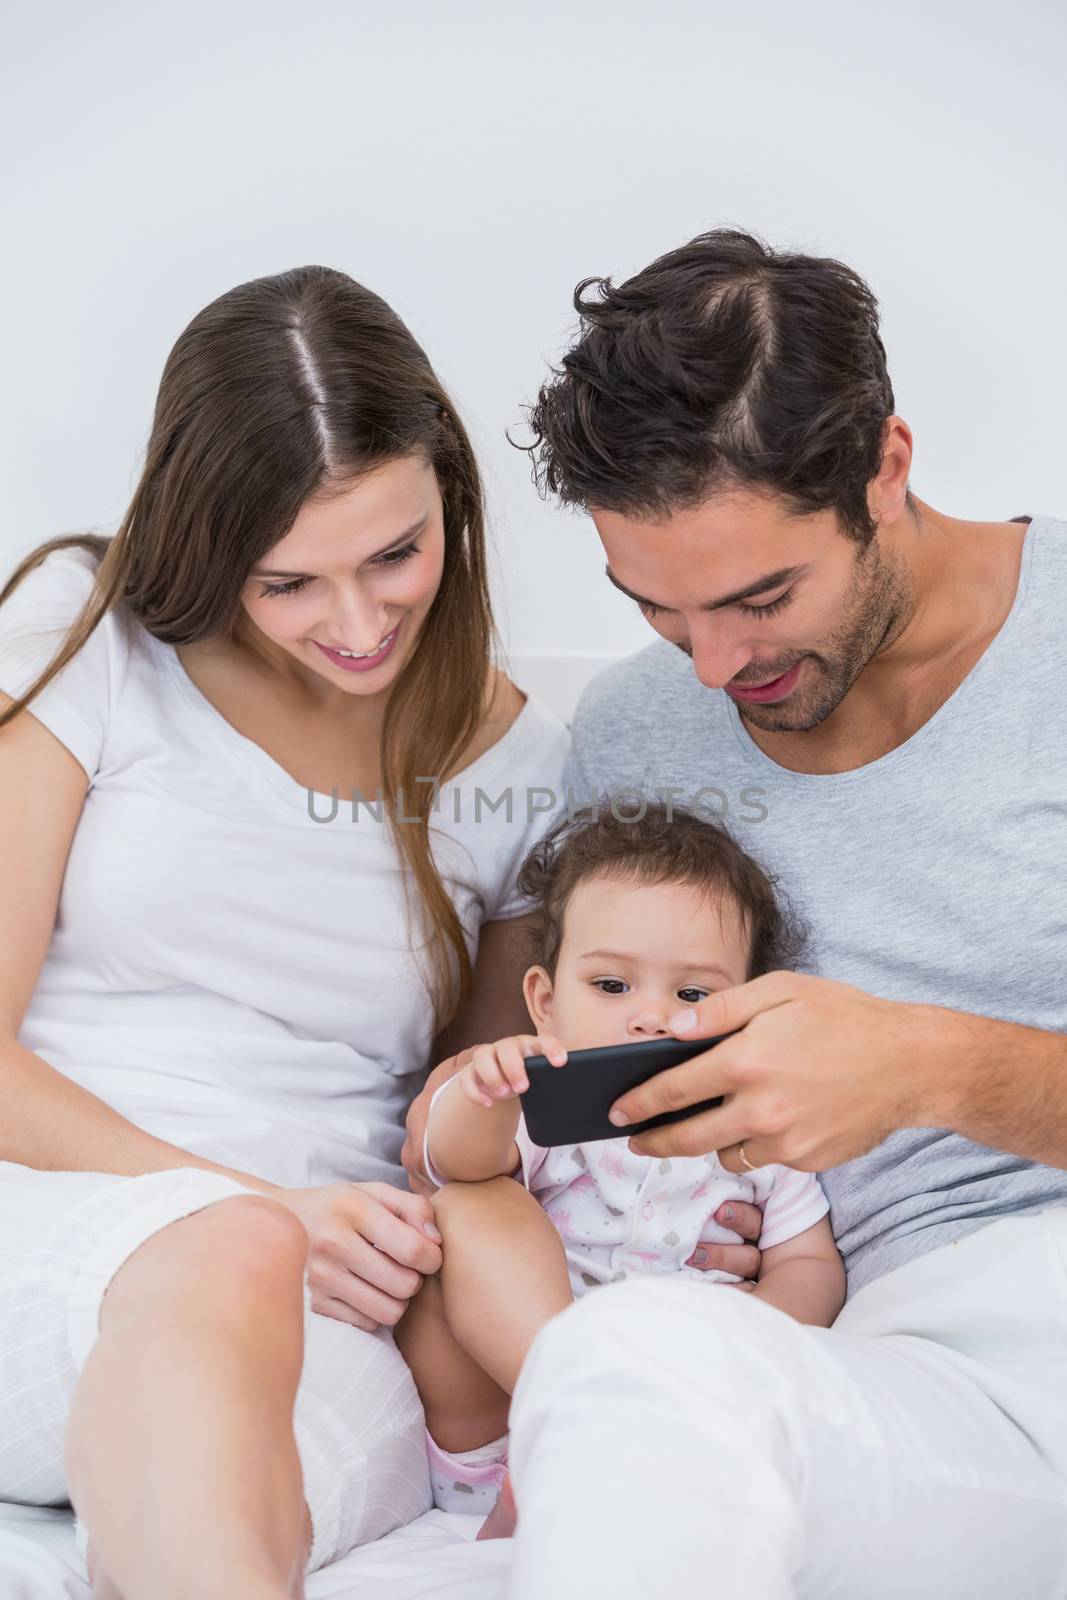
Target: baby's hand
<point>496,1072</point>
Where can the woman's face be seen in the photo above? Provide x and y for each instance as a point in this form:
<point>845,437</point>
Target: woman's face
<point>346,592</point>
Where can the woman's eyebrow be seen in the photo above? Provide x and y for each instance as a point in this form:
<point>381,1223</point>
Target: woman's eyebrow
<point>408,533</point>
<point>770,581</point>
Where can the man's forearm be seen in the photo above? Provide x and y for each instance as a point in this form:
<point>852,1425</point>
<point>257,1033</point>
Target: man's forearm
<point>1000,1084</point>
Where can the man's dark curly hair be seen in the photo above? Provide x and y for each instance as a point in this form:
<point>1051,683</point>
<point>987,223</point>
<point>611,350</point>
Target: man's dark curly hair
<point>658,847</point>
<point>723,364</point>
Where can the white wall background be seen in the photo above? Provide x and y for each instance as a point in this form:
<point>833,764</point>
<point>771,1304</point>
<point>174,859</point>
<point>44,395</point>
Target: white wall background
<point>471,163</point>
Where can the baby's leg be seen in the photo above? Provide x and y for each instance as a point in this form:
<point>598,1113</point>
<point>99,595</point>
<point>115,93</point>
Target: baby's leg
<point>504,1273</point>
<point>464,1406</point>
<point>466,1333</point>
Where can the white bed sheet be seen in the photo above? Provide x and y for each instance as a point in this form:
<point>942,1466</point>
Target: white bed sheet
<point>434,1558</point>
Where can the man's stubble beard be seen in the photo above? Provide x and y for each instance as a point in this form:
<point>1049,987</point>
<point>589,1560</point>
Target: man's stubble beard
<point>878,604</point>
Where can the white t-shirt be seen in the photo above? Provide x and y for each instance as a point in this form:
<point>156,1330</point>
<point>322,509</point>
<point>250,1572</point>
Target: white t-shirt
<point>228,972</point>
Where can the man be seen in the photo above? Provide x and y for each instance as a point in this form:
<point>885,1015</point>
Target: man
<point>873,696</point>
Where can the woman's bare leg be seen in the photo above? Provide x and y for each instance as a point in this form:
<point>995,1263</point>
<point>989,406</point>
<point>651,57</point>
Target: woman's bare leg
<point>181,1458</point>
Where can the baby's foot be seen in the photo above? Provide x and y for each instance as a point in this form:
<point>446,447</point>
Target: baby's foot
<point>500,1523</point>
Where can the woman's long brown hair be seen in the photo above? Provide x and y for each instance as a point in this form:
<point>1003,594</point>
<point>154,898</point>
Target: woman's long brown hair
<point>282,389</point>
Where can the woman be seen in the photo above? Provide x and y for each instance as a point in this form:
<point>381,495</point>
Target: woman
<point>241,991</point>
<point>248,893</point>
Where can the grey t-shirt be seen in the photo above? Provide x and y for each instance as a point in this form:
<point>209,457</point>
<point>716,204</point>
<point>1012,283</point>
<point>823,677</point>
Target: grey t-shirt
<point>935,874</point>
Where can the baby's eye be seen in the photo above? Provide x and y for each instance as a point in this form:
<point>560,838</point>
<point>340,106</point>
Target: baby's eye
<point>692,995</point>
<point>609,985</point>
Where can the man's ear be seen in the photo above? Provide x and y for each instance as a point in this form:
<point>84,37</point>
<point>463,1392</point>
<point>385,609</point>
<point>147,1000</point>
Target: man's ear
<point>888,489</point>
<point>537,992</point>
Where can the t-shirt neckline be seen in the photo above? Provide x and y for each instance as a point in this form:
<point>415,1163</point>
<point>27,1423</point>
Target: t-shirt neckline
<point>244,749</point>
<point>902,752</point>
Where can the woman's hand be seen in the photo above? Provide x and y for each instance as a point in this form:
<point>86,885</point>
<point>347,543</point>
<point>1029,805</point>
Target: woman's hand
<point>369,1248</point>
<point>496,1071</point>
<point>742,1258</point>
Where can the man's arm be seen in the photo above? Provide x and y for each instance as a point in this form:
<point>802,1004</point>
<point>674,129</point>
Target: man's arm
<point>998,1083</point>
<point>819,1072</point>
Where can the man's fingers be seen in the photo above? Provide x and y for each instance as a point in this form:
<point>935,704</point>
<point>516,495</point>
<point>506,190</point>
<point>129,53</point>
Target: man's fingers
<point>745,1219</point>
<point>729,1009</point>
<point>695,1136</point>
<point>742,1259</point>
<point>703,1077</point>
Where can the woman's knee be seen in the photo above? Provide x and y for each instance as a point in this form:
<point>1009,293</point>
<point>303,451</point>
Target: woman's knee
<point>228,1247</point>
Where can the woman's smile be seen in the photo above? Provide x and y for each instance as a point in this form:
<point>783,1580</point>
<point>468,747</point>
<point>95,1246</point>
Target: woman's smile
<point>360,663</point>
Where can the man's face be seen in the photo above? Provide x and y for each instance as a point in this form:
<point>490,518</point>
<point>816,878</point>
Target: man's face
<point>762,600</point>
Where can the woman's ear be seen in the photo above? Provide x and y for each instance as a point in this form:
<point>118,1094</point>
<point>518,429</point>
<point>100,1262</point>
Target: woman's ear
<point>537,992</point>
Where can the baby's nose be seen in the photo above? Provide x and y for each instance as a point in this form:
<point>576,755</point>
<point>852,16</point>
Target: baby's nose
<point>651,1023</point>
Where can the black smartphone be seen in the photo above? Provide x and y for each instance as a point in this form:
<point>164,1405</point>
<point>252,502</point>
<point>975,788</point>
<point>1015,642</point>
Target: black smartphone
<point>570,1104</point>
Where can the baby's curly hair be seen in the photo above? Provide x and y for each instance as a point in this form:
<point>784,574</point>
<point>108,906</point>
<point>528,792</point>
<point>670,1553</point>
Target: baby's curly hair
<point>661,846</point>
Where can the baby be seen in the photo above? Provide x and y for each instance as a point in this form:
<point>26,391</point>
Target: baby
<point>634,921</point>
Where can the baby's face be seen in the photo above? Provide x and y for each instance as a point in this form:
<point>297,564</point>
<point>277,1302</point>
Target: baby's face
<point>631,957</point>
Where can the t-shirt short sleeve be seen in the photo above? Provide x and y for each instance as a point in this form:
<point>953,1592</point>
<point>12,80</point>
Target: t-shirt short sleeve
<point>34,621</point>
<point>796,1202</point>
<point>534,778</point>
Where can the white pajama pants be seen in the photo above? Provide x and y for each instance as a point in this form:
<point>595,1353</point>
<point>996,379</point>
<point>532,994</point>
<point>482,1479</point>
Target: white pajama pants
<point>671,1438</point>
<point>358,1419</point>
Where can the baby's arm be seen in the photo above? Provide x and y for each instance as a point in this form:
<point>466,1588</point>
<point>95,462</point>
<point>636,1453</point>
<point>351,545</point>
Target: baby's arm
<point>468,1143</point>
<point>470,1131</point>
<point>804,1276</point>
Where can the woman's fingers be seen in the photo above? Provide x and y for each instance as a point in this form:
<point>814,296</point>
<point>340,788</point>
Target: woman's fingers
<point>360,1259</point>
<point>353,1291</point>
<point>411,1160</point>
<point>399,1223</point>
<point>341,1312</point>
